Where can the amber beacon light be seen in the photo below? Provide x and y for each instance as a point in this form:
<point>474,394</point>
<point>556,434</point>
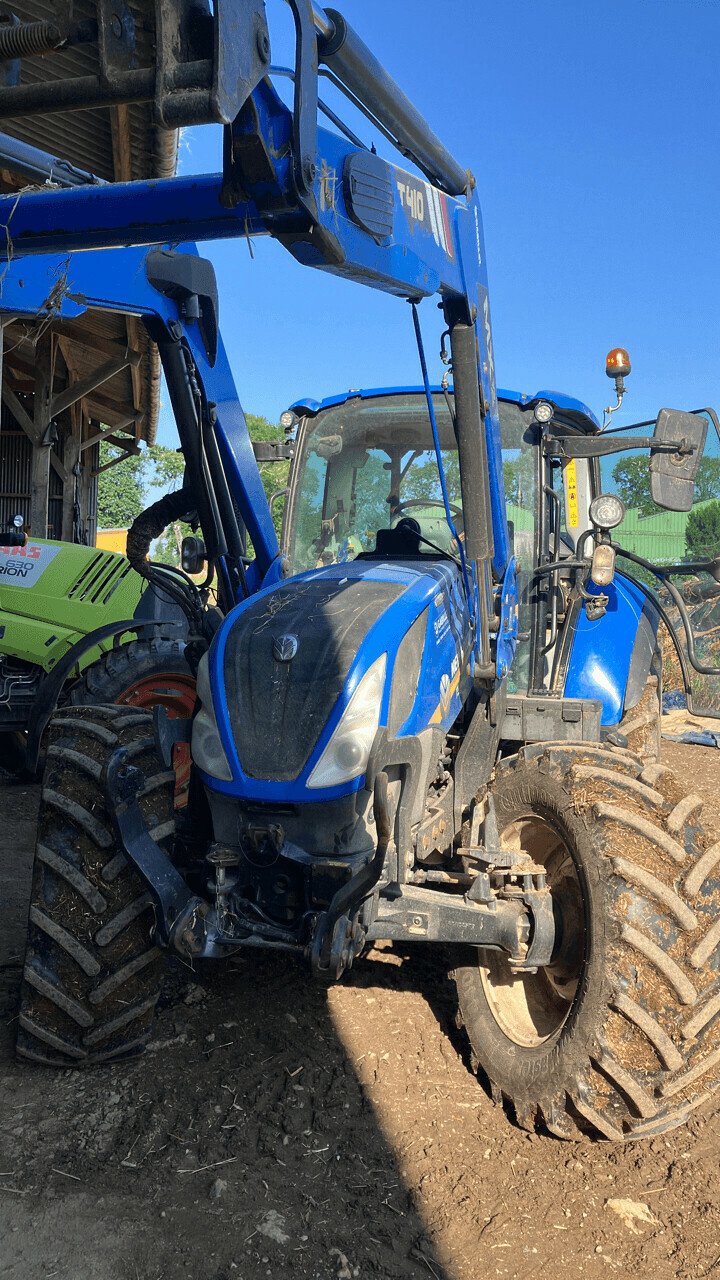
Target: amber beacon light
<point>617,363</point>
<point>617,366</point>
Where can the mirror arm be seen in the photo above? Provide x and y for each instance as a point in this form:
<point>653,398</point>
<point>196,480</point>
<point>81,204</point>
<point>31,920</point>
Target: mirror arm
<point>600,446</point>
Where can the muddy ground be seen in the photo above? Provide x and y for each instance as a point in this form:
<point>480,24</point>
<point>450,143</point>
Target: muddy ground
<point>277,1129</point>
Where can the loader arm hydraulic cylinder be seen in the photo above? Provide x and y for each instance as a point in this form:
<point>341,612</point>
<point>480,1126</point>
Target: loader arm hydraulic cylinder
<point>356,67</point>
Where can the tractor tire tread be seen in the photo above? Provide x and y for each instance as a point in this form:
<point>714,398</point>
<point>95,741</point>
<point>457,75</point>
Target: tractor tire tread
<point>92,974</point>
<point>641,725</point>
<point>653,1055</point>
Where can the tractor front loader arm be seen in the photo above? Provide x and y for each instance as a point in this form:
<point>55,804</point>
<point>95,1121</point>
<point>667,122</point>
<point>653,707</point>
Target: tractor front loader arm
<point>332,203</point>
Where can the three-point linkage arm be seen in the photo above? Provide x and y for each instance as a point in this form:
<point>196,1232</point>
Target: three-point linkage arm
<point>335,206</point>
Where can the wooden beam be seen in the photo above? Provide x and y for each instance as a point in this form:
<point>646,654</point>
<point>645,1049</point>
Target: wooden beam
<point>20,370</point>
<point>111,413</point>
<point>19,413</point>
<point>80,390</point>
<point>28,425</point>
<point>73,331</point>
<point>58,466</point>
<point>88,504</point>
<point>71,483</point>
<point>108,431</point>
<point>130,446</point>
<point>133,333</point>
<point>131,453</point>
<point>120,138</point>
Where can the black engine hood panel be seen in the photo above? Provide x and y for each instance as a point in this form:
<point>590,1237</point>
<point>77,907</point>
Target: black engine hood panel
<point>279,708</point>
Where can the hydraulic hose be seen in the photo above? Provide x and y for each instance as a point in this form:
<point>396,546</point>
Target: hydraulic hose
<point>151,523</point>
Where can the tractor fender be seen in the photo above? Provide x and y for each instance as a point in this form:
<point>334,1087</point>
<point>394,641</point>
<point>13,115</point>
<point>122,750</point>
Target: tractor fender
<point>611,657</point>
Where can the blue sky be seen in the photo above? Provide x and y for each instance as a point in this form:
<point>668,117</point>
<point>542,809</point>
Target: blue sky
<point>592,130</point>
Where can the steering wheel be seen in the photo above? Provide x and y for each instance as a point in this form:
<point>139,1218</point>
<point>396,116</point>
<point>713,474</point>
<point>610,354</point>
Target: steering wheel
<point>426,502</point>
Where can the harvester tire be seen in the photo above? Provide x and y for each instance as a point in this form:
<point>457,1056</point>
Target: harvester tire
<point>146,674</point>
<point>141,673</point>
<point>92,971</point>
<point>619,1037</point>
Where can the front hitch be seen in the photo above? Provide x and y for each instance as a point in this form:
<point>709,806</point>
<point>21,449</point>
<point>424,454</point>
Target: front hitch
<point>184,922</point>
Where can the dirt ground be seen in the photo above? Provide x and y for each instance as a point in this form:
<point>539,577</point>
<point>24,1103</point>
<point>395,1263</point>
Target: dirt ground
<point>278,1129</point>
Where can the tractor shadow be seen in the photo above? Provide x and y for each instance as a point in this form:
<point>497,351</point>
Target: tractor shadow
<point>242,1143</point>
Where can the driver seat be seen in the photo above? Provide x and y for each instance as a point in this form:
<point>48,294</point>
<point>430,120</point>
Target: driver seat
<point>397,543</point>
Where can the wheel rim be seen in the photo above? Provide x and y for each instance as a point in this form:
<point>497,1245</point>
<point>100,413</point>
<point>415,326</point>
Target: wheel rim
<point>176,692</point>
<point>531,1009</point>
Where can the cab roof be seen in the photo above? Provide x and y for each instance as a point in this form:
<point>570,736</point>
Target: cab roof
<point>574,410</point>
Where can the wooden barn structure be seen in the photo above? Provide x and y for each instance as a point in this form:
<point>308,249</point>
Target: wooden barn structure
<point>68,385</point>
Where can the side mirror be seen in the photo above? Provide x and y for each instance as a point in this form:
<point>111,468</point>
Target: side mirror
<point>673,470</point>
<point>193,556</point>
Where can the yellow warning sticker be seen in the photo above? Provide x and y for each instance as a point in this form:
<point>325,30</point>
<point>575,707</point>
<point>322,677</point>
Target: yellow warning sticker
<point>571,490</point>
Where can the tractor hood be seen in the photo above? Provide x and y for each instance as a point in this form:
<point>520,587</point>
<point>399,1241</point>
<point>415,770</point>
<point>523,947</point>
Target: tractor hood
<point>285,665</point>
<point>53,593</point>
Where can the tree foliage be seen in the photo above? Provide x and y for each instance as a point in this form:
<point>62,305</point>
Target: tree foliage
<point>168,466</point>
<point>702,532</point>
<point>167,472</point>
<point>274,475</point>
<point>123,488</point>
<point>121,495</point>
<point>632,479</point>
<point>519,478</point>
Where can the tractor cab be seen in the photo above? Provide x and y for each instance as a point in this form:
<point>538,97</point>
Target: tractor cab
<point>364,472</point>
<point>365,483</point>
<point>365,462</point>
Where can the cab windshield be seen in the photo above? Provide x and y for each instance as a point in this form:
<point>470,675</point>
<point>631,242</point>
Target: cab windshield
<point>366,464</point>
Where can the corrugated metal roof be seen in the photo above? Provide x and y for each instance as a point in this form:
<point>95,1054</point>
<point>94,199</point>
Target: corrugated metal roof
<point>117,143</point>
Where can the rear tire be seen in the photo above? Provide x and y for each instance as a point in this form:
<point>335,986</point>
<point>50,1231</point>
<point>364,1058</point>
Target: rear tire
<point>92,971</point>
<point>620,1037</point>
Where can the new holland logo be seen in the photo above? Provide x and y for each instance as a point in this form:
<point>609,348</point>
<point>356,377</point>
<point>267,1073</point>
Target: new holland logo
<point>285,648</point>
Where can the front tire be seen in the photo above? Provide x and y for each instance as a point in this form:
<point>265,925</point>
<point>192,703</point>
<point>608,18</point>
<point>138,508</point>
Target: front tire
<point>620,1036</point>
<point>92,971</point>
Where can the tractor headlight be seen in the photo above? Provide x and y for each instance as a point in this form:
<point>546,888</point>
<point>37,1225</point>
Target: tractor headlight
<point>543,411</point>
<point>348,751</point>
<point>607,511</point>
<point>207,748</point>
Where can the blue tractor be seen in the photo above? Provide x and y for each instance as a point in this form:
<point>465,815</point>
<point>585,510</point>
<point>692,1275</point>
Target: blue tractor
<point>413,719</point>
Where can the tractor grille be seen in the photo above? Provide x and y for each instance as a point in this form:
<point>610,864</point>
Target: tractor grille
<point>278,709</point>
<point>100,579</point>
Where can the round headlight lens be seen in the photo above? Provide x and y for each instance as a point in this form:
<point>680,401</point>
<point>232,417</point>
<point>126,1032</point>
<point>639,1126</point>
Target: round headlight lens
<point>543,411</point>
<point>607,511</point>
<point>348,753</point>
